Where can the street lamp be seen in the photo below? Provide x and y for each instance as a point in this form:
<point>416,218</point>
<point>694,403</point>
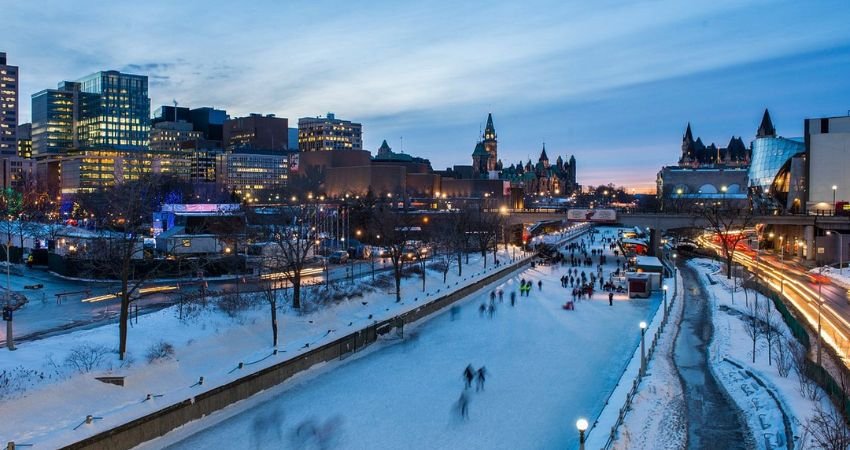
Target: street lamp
<point>642,348</point>
<point>582,425</point>
<point>665,301</point>
<point>834,188</point>
<point>840,251</point>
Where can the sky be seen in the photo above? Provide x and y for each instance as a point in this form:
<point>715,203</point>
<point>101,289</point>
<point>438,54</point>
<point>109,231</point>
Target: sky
<point>612,82</point>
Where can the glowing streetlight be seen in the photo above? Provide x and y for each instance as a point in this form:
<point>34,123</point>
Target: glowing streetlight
<point>582,425</point>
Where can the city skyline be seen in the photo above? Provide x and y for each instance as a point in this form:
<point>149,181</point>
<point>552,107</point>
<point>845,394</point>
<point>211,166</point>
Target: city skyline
<point>593,83</point>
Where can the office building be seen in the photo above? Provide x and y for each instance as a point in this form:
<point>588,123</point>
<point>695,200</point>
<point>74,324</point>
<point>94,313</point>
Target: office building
<point>54,120</point>
<point>827,142</point>
<point>17,173</point>
<point>329,133</point>
<point>25,140</point>
<point>167,137</point>
<point>9,88</point>
<point>257,132</point>
<point>209,121</point>
<point>105,110</point>
<point>254,176</point>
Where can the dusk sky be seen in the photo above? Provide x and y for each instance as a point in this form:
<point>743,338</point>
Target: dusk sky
<point>611,82</point>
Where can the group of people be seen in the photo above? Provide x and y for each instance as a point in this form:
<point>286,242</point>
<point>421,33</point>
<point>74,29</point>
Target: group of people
<point>470,374</point>
<point>526,286</point>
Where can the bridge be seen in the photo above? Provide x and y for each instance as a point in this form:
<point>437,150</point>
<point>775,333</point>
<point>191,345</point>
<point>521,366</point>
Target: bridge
<point>669,221</point>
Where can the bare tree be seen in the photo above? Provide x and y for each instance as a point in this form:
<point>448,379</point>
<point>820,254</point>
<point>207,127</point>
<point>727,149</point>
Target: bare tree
<point>292,237</point>
<point>487,228</point>
<point>828,429</point>
<point>753,325</point>
<point>728,225</point>
<point>269,294</point>
<point>124,212</point>
<point>783,358</point>
<point>397,229</point>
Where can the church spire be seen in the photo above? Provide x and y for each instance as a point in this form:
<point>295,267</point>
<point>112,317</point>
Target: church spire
<point>489,130</point>
<point>543,156</point>
<point>766,128</point>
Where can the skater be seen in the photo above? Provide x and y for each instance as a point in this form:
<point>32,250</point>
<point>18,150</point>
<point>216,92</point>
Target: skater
<point>501,295</point>
<point>513,298</point>
<point>540,285</point>
<point>479,380</point>
<point>463,405</point>
<point>492,310</point>
<point>492,296</point>
<point>610,299</point>
<point>482,309</point>
<point>468,375</point>
<point>455,311</point>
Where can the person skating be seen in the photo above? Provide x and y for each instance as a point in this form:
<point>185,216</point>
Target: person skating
<point>482,309</point>
<point>468,375</point>
<point>610,299</point>
<point>480,377</point>
<point>513,298</point>
<point>501,295</point>
<point>540,284</point>
<point>463,405</point>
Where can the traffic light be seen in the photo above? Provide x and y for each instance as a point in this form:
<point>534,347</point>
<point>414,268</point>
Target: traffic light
<point>7,314</point>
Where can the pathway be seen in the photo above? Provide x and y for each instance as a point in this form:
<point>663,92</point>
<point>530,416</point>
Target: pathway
<point>713,421</point>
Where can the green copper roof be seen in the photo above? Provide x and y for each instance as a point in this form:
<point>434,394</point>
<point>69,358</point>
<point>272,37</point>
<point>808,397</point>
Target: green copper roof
<point>479,150</point>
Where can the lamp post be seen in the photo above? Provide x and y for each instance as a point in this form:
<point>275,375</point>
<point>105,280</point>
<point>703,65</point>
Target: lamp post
<point>504,212</point>
<point>582,425</point>
<point>840,251</point>
<point>820,307</point>
<point>834,188</point>
<point>642,349</point>
<point>665,301</point>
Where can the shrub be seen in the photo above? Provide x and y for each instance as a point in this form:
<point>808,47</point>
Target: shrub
<point>160,351</point>
<point>86,357</point>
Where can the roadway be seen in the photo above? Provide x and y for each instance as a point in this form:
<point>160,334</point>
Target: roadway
<point>802,289</point>
<point>85,304</point>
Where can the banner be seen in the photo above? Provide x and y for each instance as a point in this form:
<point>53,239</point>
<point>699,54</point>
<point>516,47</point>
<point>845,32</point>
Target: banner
<point>591,215</point>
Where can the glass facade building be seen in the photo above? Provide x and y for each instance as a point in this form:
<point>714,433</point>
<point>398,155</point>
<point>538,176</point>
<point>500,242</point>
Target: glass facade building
<point>769,174</point>
<point>769,155</point>
<point>105,110</point>
<point>117,114</point>
<point>54,114</point>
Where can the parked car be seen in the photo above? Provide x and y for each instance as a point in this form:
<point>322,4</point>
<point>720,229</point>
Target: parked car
<point>338,257</point>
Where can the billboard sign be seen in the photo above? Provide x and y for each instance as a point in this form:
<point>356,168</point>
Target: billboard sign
<point>591,215</point>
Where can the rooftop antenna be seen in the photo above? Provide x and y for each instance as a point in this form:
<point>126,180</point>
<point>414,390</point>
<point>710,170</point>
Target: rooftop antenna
<point>401,138</point>
<point>175,109</point>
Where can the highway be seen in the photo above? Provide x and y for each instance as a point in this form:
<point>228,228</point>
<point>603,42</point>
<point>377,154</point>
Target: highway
<point>802,289</point>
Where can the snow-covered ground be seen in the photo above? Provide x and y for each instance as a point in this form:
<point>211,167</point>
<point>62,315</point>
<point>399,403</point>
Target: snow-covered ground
<point>656,419</point>
<point>751,384</point>
<point>45,400</point>
<point>547,367</point>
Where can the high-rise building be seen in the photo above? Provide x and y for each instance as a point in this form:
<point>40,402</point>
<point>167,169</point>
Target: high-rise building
<point>116,114</point>
<point>54,119</point>
<point>105,110</point>
<point>329,133</point>
<point>25,140</point>
<point>8,107</point>
<point>256,132</point>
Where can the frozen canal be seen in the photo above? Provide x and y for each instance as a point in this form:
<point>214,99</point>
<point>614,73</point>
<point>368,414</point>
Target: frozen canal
<point>547,367</point>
